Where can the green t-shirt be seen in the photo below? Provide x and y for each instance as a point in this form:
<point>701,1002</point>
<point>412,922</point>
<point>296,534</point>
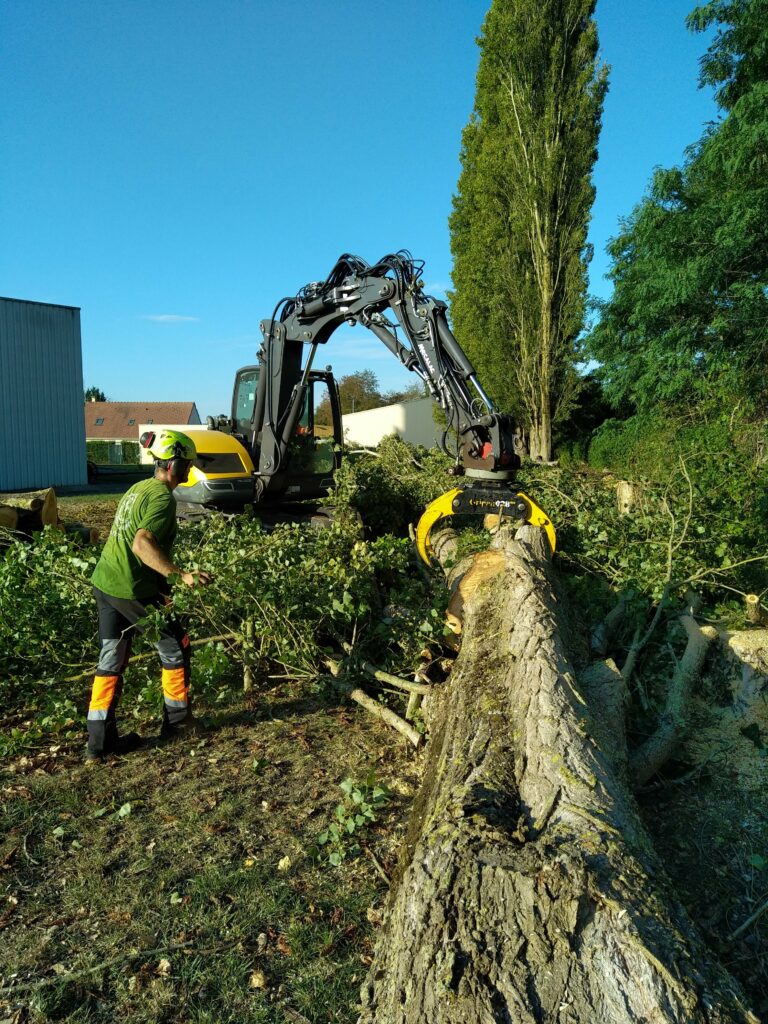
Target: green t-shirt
<point>148,505</point>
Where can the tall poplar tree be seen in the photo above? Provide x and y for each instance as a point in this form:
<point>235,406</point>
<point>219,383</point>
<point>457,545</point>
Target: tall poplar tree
<point>520,217</point>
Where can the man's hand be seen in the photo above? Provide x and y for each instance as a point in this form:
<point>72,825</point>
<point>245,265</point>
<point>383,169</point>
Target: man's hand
<point>146,548</point>
<point>198,578</point>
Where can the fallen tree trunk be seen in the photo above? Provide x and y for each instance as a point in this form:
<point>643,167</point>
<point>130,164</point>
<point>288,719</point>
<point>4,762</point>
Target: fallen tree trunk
<point>528,888</point>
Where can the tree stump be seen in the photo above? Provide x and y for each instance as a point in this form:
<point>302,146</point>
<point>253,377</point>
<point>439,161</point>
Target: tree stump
<point>626,497</point>
<point>528,888</point>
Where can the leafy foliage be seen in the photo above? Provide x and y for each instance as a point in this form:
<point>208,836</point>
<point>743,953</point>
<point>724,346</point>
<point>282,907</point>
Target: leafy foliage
<point>357,811</point>
<point>390,489</point>
<point>519,224</point>
<point>650,446</point>
<point>300,590</point>
<point>684,531</point>
<point>688,321</point>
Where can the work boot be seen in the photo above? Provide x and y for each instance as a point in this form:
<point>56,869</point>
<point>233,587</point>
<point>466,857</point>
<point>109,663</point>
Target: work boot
<point>120,745</point>
<point>128,743</point>
<point>185,730</point>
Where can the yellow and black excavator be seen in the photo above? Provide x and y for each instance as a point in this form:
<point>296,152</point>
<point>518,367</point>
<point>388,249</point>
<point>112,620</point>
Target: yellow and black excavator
<point>272,450</point>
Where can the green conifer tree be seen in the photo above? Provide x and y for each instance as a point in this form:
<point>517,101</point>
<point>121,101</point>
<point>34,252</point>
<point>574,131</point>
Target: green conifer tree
<point>520,217</point>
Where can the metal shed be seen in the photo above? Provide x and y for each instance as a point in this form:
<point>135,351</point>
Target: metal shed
<point>42,433</point>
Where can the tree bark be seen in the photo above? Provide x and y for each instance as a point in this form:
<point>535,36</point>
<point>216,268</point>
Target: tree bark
<point>528,888</point>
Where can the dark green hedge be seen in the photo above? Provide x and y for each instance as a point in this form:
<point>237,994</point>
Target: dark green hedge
<point>653,446</point>
<point>100,452</point>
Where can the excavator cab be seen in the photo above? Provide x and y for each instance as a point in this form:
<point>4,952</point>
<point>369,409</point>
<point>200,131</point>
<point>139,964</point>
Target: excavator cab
<point>225,473</point>
<point>314,449</point>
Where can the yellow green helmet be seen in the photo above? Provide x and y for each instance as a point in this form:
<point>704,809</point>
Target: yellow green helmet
<point>168,444</point>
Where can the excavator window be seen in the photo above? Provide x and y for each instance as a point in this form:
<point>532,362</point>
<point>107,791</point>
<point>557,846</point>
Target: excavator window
<point>245,399</point>
<point>312,446</point>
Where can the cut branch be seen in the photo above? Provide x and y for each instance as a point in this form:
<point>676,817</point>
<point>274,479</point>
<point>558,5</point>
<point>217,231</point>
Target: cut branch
<point>372,706</point>
<point>659,747</point>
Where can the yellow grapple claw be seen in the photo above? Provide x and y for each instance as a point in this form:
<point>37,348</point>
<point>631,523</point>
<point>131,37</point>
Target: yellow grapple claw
<point>437,509</point>
<point>536,517</point>
<point>444,506</point>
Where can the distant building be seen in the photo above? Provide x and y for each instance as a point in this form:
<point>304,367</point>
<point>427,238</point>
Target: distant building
<point>120,421</point>
<point>411,421</point>
<point>41,396</point>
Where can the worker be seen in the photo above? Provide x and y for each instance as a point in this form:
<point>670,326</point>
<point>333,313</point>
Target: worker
<point>131,577</point>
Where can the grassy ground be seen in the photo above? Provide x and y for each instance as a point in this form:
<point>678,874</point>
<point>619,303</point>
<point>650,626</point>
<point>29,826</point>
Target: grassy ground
<point>174,884</point>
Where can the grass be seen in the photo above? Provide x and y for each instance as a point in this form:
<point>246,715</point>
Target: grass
<point>174,885</point>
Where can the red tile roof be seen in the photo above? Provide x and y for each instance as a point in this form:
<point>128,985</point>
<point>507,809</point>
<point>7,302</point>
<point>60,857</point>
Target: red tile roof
<point>111,420</point>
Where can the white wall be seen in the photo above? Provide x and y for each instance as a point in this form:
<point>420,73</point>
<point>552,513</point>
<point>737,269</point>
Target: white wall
<point>411,421</point>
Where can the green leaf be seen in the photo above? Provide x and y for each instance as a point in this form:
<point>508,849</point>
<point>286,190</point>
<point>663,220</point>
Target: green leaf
<point>752,732</point>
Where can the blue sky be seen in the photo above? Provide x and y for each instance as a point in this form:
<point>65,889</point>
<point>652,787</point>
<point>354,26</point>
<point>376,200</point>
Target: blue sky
<point>175,168</point>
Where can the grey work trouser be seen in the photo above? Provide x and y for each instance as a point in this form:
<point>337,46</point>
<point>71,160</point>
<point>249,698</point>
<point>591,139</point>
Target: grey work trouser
<point>119,618</point>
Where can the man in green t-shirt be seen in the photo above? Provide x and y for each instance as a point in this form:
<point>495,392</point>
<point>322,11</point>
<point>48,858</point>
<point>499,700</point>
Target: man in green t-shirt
<point>131,577</point>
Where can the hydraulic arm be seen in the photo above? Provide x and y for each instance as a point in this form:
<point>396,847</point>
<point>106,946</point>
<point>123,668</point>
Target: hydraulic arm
<point>388,299</point>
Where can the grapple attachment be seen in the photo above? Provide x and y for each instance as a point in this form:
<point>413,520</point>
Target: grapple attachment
<point>480,500</point>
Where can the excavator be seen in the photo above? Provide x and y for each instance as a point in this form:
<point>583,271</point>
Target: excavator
<point>271,449</point>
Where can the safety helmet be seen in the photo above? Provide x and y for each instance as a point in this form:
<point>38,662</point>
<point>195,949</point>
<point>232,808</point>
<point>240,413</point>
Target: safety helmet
<point>168,444</point>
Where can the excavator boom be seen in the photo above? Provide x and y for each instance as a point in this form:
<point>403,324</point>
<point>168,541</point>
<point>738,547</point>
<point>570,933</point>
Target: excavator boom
<point>388,299</point>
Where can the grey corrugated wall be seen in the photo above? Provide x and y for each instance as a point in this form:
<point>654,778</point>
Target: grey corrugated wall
<point>42,429</point>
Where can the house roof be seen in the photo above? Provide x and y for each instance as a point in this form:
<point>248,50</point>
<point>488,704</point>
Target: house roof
<point>120,420</point>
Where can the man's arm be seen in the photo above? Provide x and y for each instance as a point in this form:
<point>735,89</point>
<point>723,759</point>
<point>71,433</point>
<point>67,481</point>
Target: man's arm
<point>146,548</point>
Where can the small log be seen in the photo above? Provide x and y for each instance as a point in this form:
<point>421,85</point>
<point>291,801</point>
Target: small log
<point>400,684</point>
<point>391,680</point>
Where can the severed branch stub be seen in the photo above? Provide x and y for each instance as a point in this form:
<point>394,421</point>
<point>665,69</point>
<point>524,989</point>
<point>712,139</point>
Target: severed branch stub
<point>753,610</point>
<point>528,889</point>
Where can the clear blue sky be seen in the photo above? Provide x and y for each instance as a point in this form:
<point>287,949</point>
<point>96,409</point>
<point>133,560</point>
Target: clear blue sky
<point>175,168</point>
